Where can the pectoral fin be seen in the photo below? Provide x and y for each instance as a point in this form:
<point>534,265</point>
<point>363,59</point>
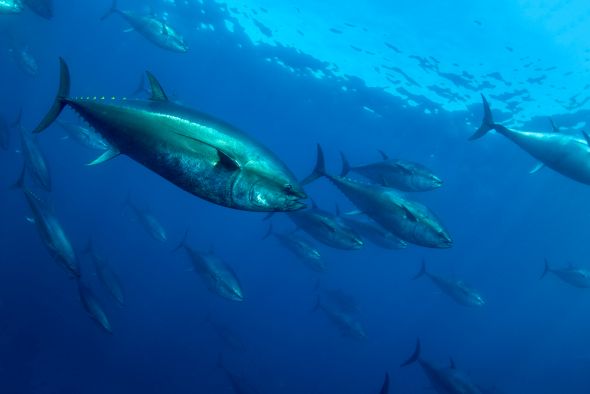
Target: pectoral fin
<point>226,162</point>
<point>106,156</point>
<point>537,168</point>
<point>409,214</point>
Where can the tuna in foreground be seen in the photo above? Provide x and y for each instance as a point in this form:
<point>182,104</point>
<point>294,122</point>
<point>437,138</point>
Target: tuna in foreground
<point>202,155</point>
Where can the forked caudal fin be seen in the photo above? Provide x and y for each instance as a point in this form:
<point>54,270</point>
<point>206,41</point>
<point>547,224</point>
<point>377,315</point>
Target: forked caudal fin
<point>62,93</point>
<point>182,243</point>
<point>268,232</point>
<point>345,165</point>
<point>110,11</point>
<point>487,122</point>
<point>319,169</point>
<point>385,387</point>
<point>415,356</point>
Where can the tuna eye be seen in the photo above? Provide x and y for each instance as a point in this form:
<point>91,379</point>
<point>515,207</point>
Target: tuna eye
<point>288,189</point>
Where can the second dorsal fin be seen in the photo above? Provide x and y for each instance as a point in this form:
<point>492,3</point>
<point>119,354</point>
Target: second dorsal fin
<point>158,93</point>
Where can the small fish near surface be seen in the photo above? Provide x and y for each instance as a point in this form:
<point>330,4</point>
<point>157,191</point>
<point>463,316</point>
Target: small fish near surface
<point>409,220</point>
<point>11,7</point>
<point>218,275</point>
<point>325,227</point>
<point>153,29</point>
<point>444,380</point>
<point>402,175</point>
<point>301,248</point>
<point>93,307</point>
<point>566,154</point>
<point>574,276</point>
<point>147,220</point>
<point>51,232</point>
<point>456,289</point>
<point>202,155</point>
<point>106,276</point>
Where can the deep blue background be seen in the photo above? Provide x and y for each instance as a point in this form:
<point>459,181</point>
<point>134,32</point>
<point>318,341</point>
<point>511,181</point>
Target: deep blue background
<point>530,337</point>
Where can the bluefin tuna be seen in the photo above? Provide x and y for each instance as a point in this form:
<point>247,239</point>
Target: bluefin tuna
<point>11,6</point>
<point>4,134</point>
<point>574,276</point>
<point>227,335</point>
<point>238,383</point>
<point>399,174</point>
<point>372,232</point>
<point>93,307</point>
<point>51,232</point>
<point>106,276</point>
<point>147,220</point>
<point>385,386</point>
<point>301,248</point>
<point>456,289</point>
<point>24,59</point>
<point>84,136</point>
<point>325,227</point>
<point>564,153</point>
<point>444,380</point>
<point>154,29</point>
<point>407,219</point>
<point>346,321</point>
<point>218,275</point>
<point>34,159</point>
<point>43,8</point>
<point>202,155</point>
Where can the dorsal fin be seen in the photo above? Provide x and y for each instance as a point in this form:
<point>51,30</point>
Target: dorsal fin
<point>554,126</point>
<point>158,93</point>
<point>383,154</point>
<point>586,137</point>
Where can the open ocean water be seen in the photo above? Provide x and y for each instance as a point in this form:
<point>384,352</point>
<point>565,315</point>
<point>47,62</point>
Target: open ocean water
<point>356,78</point>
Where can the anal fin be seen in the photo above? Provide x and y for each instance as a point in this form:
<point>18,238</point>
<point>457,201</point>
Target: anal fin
<point>106,156</point>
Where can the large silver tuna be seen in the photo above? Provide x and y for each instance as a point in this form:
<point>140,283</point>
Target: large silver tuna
<point>301,248</point>
<point>444,380</point>
<point>153,29</point>
<point>35,161</point>
<point>348,324</point>
<point>51,232</point>
<point>456,289</point>
<point>566,154</point>
<point>402,175</point>
<point>200,154</point>
<point>11,6</point>
<point>147,220</point>
<point>84,136</point>
<point>325,227</point>
<point>106,276</point>
<point>373,232</point>
<point>93,307</point>
<point>409,220</point>
<point>574,276</point>
<point>218,275</point>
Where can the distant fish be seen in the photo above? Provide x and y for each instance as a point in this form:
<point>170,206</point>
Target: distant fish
<point>385,387</point>
<point>93,307</point>
<point>301,248</point>
<point>577,277</point>
<point>51,232</point>
<point>325,227</point>
<point>4,134</point>
<point>84,136</point>
<point>218,275</point>
<point>11,6</point>
<point>43,8</point>
<point>566,154</point>
<point>24,60</point>
<point>153,29</point>
<point>106,276</point>
<point>227,335</point>
<point>238,383</point>
<point>34,159</point>
<point>443,380</point>
<point>373,232</point>
<point>399,174</point>
<point>344,319</point>
<point>204,156</point>
<point>147,220</point>
<point>456,289</point>
<point>409,220</point>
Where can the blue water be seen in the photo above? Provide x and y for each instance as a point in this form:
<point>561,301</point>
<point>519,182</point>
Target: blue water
<point>531,336</point>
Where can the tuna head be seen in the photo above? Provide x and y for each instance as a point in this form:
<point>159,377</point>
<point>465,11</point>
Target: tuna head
<point>267,189</point>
